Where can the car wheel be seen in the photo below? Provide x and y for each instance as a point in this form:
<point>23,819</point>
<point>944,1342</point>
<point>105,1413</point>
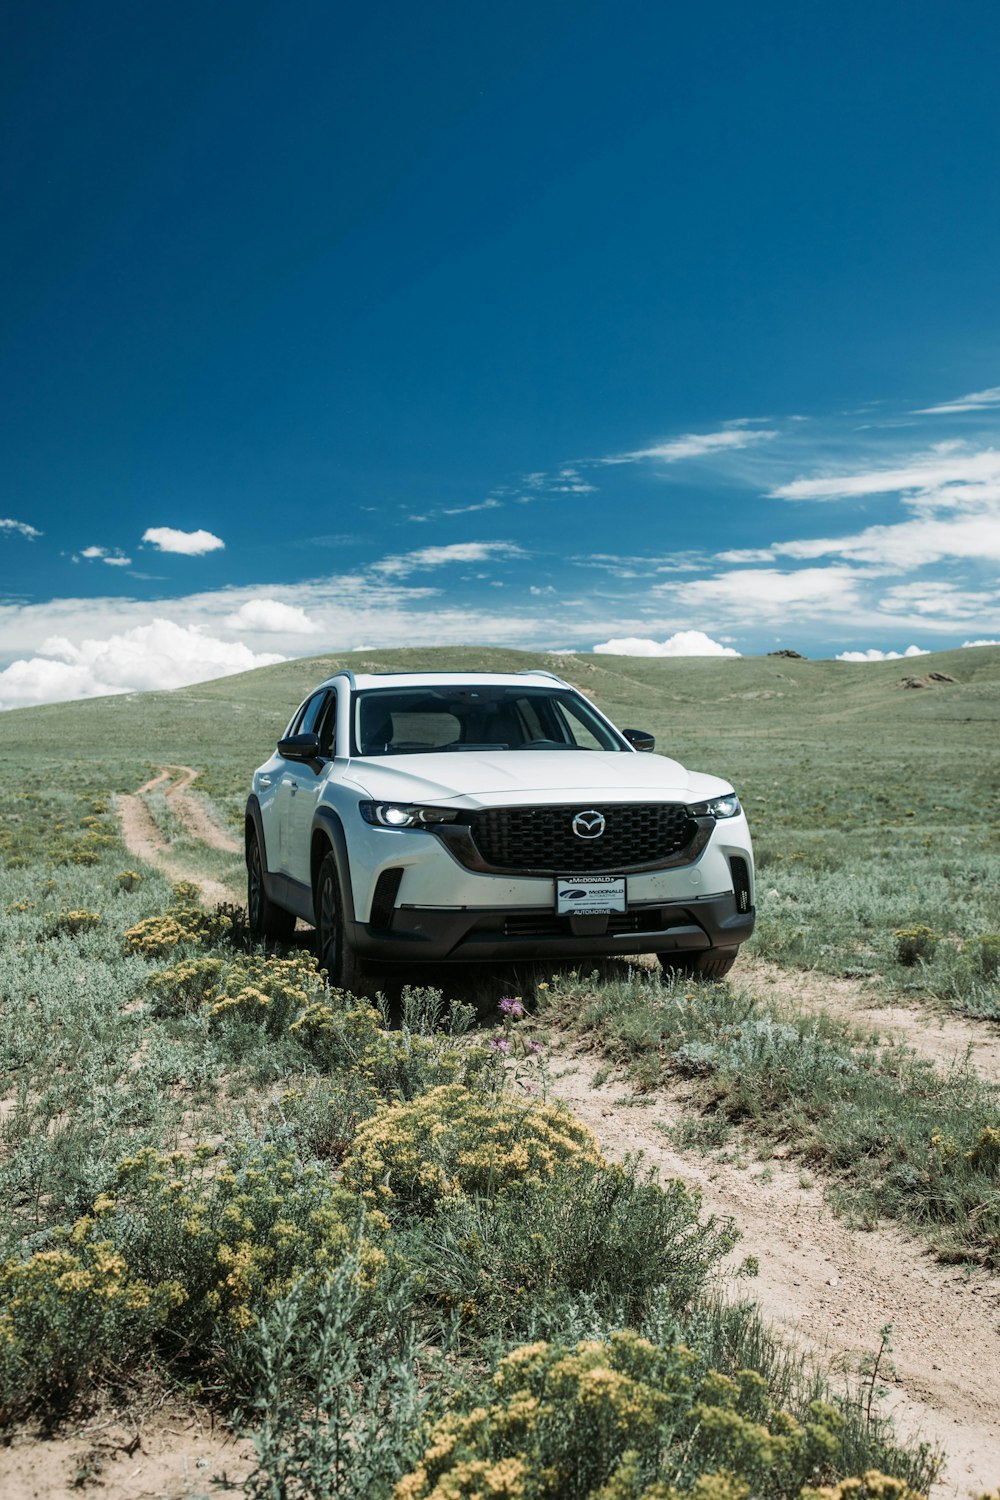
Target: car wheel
<point>706,963</point>
<point>264,919</point>
<point>344,969</point>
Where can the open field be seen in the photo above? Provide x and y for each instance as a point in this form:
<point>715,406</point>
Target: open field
<point>189,1132</point>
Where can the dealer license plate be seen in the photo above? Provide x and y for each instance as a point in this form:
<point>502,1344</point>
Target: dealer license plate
<point>594,894</point>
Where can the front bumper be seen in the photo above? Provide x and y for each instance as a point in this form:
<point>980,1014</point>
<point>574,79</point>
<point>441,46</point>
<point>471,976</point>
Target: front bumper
<point>436,935</point>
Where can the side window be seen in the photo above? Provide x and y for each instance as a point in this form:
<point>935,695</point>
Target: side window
<point>306,719</point>
<point>327,730</point>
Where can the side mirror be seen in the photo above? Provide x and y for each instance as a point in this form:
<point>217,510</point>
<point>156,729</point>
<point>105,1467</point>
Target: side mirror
<point>299,747</point>
<point>639,739</point>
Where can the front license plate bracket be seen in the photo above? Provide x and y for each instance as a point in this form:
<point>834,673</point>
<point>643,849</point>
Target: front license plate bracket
<point>590,895</point>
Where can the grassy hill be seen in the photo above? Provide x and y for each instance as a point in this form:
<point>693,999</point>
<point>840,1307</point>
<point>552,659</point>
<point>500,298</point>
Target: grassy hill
<point>737,715</point>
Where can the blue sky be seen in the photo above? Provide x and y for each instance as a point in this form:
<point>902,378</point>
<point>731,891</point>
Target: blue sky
<point>551,324</point>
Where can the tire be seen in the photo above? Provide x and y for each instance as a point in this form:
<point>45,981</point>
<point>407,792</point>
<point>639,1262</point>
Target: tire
<point>266,922</point>
<point>704,963</point>
<point>344,969</point>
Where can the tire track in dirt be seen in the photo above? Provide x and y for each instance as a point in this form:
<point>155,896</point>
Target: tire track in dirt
<point>947,1040</point>
<point>143,839</point>
<point>830,1289</point>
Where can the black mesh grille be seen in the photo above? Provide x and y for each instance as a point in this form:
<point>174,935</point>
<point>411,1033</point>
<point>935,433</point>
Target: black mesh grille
<point>741,882</point>
<point>384,897</point>
<point>542,838</point>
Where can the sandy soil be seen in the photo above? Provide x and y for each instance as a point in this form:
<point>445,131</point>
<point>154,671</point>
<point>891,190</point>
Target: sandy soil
<point>166,1457</point>
<point>831,1288</point>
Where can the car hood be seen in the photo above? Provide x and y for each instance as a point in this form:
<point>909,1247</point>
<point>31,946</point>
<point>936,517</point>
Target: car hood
<point>488,779</point>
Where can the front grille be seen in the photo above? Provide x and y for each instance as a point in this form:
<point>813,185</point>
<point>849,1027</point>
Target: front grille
<point>548,924</point>
<point>542,838</point>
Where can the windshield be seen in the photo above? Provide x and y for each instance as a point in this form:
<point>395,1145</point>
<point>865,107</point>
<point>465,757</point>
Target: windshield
<point>410,721</point>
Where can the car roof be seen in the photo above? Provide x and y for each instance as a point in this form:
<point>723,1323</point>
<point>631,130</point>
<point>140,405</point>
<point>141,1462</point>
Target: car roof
<point>366,680</point>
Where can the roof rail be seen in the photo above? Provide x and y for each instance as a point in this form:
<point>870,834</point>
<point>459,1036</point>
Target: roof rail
<point>343,672</point>
<point>538,672</point>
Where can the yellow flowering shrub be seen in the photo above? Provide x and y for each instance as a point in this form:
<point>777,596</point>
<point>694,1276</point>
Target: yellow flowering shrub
<point>453,1139</point>
<point>234,1233</point>
<point>261,988</point>
<point>626,1419</point>
<point>873,1486</point>
<point>986,1152</point>
<point>75,922</point>
<point>185,923</point>
<point>66,1315</point>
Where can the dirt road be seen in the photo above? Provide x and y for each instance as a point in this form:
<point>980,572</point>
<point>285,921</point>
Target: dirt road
<point>830,1288</point>
<point>143,839</point>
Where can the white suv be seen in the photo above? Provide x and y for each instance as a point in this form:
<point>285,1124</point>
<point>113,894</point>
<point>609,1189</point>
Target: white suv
<point>461,816</point>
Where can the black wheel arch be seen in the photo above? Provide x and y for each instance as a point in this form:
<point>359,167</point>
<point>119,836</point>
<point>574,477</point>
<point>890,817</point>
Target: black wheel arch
<point>328,837</point>
<point>253,827</point>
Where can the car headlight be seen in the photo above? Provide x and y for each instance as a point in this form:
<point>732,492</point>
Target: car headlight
<point>718,807</point>
<point>404,814</point>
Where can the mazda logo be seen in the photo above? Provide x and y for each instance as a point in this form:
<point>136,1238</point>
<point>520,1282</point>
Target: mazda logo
<point>589,824</point>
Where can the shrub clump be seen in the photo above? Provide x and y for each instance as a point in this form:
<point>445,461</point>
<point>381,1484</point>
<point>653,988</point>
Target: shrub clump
<point>452,1140</point>
<point>516,1264</point>
<point>69,1314</point>
<point>915,945</point>
<point>184,923</point>
<point>263,989</point>
<point>184,1253</point>
<point>625,1419</point>
<point>235,1233</point>
<point>74,922</point>
<point>986,955</point>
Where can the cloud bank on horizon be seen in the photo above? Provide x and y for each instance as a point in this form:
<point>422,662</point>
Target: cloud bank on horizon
<point>879,529</point>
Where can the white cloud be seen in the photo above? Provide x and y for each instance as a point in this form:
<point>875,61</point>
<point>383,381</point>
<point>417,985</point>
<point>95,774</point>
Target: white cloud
<point>684,643</point>
<point>101,554</point>
<point>944,465</point>
<point>873,654</point>
<point>767,593</point>
<point>436,557</point>
<point>906,544</point>
<point>188,543</point>
<point>467,510</point>
<point>161,654</point>
<point>748,555</point>
<point>697,444</point>
<point>271,617</point>
<point>21,527</point>
<point>975,401</point>
<point>966,644</point>
<point>939,598</point>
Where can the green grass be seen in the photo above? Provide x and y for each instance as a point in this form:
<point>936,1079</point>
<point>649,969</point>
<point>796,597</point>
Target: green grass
<point>894,1136</point>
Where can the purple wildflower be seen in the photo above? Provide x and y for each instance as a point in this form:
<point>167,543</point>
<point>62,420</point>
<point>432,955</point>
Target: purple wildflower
<point>499,1044</point>
<point>511,1006</point>
<point>534,1047</point>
